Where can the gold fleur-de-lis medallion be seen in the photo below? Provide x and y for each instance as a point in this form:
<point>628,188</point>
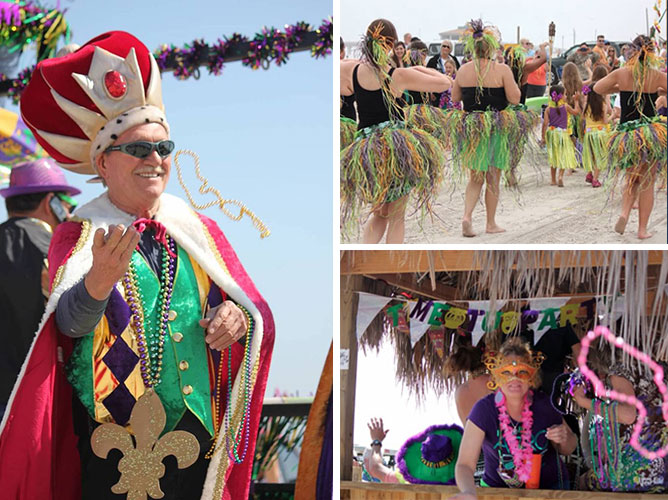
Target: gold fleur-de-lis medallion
<point>141,466</point>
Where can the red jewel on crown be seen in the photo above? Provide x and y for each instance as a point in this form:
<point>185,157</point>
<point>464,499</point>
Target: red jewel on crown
<point>115,84</point>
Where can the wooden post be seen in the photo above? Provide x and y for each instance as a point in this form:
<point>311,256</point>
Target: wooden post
<point>551,33</point>
<point>348,314</point>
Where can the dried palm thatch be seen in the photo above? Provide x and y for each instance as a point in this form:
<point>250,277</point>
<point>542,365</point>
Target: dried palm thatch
<point>523,274</point>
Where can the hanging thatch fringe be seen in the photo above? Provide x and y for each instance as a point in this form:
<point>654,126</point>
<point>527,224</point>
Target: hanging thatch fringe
<point>512,274</point>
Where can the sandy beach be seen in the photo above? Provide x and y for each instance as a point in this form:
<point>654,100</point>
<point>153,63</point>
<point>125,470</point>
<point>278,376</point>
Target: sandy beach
<point>541,213</point>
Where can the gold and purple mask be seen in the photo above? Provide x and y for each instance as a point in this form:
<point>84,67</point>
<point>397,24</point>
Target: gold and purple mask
<point>504,371</point>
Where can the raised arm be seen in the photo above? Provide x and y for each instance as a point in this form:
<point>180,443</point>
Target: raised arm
<point>626,414</point>
<point>419,79</point>
<point>539,59</point>
<point>608,84</point>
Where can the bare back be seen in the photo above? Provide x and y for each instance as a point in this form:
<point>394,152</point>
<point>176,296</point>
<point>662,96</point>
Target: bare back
<point>656,80</point>
<point>469,393</point>
<point>491,71</point>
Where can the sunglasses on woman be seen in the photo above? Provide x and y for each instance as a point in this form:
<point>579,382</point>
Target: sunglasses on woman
<point>141,149</point>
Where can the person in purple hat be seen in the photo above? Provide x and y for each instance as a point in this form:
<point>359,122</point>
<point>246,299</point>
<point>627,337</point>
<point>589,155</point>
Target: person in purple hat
<point>37,200</point>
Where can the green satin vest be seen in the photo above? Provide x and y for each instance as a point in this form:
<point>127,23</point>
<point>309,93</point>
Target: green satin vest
<point>184,375</point>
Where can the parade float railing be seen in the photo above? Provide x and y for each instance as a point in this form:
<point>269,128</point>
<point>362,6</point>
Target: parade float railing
<point>281,431</point>
<point>377,491</point>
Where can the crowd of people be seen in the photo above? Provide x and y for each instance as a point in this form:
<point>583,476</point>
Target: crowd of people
<point>532,422</point>
<point>607,116</point>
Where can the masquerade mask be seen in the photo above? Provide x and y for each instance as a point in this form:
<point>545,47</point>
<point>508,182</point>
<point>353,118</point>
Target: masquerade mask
<point>504,371</point>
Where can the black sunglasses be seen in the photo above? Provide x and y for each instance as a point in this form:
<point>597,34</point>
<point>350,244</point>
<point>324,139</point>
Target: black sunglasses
<point>141,149</point>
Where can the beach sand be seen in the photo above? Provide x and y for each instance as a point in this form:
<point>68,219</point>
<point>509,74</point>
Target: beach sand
<point>574,214</point>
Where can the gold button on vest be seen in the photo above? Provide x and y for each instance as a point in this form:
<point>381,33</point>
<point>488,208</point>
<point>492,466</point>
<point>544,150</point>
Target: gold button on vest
<point>183,365</point>
<point>172,315</point>
<point>187,389</point>
<point>177,336</point>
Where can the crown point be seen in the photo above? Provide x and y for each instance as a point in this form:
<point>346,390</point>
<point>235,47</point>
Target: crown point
<point>115,84</point>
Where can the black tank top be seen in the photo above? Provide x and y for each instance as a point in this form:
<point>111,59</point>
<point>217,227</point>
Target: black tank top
<point>348,108</point>
<point>371,106</point>
<point>629,111</point>
<point>475,99</point>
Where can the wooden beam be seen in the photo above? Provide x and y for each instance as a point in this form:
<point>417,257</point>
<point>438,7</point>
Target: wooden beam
<point>384,491</point>
<point>409,283</point>
<point>412,261</point>
<point>348,316</point>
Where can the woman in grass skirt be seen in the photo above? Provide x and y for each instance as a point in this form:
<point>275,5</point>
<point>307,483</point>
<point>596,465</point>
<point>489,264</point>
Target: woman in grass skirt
<point>388,160</point>
<point>482,135</point>
<point>637,147</point>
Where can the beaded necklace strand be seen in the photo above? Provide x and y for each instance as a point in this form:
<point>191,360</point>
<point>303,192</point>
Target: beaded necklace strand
<point>246,380</point>
<point>151,341</point>
<point>604,425</point>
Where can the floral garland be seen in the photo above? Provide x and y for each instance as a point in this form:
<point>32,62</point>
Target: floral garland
<point>521,457</point>
<point>22,23</point>
<point>269,45</point>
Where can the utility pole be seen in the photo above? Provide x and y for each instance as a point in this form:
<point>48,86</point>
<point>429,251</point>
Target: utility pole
<point>573,36</point>
<point>646,21</point>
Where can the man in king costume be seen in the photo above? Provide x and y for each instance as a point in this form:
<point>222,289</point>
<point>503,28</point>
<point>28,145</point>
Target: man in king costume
<point>148,299</point>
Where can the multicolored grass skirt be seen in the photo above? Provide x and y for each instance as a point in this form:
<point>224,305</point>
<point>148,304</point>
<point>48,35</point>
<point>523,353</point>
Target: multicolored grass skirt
<point>595,147</point>
<point>560,149</point>
<point>428,118</point>
<point>525,135</point>
<point>385,163</point>
<point>638,142</point>
<point>480,139</point>
<point>347,129</point>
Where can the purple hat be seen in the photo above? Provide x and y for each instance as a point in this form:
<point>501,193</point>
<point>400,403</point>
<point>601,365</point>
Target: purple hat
<point>430,457</point>
<point>37,176</point>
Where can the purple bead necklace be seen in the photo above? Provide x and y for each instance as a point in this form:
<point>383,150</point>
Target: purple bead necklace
<point>151,341</point>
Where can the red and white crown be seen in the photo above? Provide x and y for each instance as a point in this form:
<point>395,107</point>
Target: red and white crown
<point>77,105</point>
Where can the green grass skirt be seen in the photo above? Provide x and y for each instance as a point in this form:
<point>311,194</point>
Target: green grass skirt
<point>385,163</point>
<point>560,149</point>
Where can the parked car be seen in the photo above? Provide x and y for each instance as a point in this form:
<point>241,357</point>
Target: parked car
<point>435,48</point>
<point>558,62</point>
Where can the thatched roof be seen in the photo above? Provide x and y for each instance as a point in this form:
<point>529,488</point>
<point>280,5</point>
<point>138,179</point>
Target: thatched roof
<point>458,276</point>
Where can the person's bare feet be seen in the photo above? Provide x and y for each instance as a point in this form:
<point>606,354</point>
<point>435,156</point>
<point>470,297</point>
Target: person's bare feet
<point>621,225</point>
<point>553,183</point>
<point>494,229</point>
<point>635,206</point>
<point>467,229</point>
<point>643,235</point>
<point>561,183</point>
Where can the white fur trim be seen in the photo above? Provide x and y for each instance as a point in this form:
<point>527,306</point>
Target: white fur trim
<point>128,119</point>
<point>183,224</point>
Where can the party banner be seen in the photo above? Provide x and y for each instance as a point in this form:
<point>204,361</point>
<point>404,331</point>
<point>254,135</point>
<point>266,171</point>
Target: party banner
<point>414,318</point>
<point>551,310</point>
<point>608,312</point>
<point>368,307</point>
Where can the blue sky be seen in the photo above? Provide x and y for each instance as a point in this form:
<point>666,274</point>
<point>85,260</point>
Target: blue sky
<point>263,137</point>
